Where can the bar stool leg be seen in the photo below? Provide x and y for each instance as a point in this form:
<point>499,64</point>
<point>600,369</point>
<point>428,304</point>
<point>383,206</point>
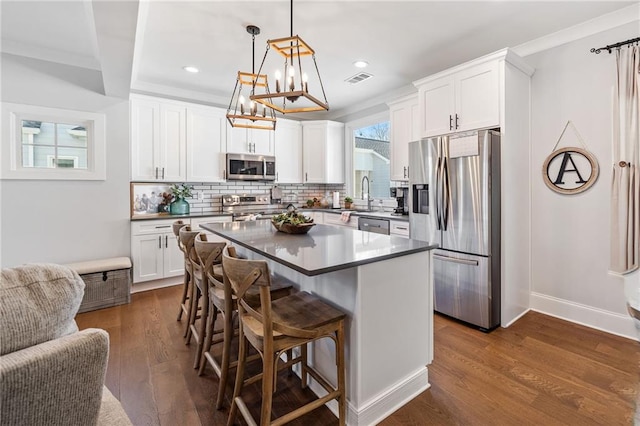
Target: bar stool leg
<point>204,317</point>
<point>268,376</point>
<point>237,389</point>
<point>185,294</point>
<point>303,365</point>
<point>209,333</point>
<point>226,355</point>
<point>193,311</point>
<point>342,402</point>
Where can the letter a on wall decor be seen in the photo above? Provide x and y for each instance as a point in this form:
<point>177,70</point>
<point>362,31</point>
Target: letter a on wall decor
<point>570,170</point>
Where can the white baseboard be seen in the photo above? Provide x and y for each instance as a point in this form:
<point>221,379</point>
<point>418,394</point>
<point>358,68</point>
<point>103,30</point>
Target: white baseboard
<point>152,285</point>
<point>382,405</point>
<point>610,322</point>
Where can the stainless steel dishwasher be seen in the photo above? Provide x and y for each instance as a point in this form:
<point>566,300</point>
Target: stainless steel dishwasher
<point>369,224</point>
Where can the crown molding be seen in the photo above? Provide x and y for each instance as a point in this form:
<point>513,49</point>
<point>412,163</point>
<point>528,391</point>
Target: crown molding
<point>601,23</point>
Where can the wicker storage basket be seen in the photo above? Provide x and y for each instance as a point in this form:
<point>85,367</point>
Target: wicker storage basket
<point>107,283</point>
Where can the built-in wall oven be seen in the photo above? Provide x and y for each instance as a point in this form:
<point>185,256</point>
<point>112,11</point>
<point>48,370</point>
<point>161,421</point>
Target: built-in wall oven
<point>251,167</point>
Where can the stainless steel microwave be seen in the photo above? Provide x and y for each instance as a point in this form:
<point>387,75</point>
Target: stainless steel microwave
<point>251,167</point>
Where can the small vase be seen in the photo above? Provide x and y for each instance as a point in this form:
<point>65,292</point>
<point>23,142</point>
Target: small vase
<point>179,206</point>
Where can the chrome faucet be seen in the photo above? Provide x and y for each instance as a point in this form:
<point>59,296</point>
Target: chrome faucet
<point>365,177</point>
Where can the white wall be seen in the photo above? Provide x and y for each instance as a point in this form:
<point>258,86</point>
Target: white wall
<point>570,233</point>
<point>66,221</point>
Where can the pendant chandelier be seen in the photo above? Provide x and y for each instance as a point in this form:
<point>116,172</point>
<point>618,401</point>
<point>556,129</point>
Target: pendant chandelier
<point>292,94</point>
<point>250,116</point>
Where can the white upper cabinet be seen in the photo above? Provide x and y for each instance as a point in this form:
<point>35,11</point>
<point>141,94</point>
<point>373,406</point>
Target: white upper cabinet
<point>174,141</point>
<point>464,98</point>
<point>205,144</point>
<point>288,151</point>
<point>405,128</point>
<point>158,150</point>
<point>249,141</point>
<point>323,152</point>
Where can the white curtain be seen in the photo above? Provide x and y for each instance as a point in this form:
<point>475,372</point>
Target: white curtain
<point>625,184</point>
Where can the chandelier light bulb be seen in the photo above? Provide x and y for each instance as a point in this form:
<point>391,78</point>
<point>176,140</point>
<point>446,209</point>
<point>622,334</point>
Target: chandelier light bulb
<point>278,76</point>
<point>305,85</point>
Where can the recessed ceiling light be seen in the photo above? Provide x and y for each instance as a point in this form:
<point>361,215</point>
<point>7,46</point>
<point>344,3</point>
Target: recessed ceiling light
<point>191,69</point>
<point>361,64</point>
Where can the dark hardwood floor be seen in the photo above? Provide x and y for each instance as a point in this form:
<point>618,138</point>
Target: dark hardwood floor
<point>541,371</point>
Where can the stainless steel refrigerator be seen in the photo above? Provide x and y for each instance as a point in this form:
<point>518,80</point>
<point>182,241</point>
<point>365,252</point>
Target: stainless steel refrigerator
<point>455,202</point>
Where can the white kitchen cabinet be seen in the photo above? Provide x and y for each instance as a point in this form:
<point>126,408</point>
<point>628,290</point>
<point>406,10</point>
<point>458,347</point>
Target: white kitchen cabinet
<point>323,152</point>
<point>158,140</point>
<point>249,141</point>
<point>155,251</point>
<point>400,228</point>
<point>405,127</point>
<point>461,99</point>
<point>288,151</point>
<point>206,133</point>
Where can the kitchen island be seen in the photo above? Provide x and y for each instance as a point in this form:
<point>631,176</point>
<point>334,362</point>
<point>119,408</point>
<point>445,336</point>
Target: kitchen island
<point>383,283</point>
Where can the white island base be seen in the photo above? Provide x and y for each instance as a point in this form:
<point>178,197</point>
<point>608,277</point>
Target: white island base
<point>389,331</point>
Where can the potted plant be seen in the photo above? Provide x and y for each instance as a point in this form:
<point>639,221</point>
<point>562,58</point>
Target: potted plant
<point>179,204</point>
<point>347,202</point>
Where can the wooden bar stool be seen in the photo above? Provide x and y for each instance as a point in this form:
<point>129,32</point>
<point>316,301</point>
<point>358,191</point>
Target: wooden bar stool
<point>207,266</point>
<point>275,327</point>
<point>184,307</point>
<point>187,238</point>
<point>222,301</point>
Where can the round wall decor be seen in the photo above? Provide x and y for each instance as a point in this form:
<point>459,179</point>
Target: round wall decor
<point>570,170</point>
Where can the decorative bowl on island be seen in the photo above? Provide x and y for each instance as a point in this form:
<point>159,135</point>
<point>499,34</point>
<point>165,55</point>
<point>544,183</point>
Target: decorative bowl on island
<point>292,222</point>
<point>288,228</point>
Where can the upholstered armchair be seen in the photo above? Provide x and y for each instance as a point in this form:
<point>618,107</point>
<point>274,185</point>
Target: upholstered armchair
<point>51,373</point>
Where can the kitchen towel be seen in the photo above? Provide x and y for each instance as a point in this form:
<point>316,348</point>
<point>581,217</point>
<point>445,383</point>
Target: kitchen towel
<point>345,216</point>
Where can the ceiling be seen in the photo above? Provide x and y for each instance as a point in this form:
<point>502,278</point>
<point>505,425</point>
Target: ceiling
<point>142,46</point>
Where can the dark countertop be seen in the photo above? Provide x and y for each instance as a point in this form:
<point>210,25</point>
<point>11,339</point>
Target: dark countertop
<point>360,213</point>
<point>156,216</point>
<point>324,249</point>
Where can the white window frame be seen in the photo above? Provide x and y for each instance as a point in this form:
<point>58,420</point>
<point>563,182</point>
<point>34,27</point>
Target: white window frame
<point>11,161</point>
<point>349,129</point>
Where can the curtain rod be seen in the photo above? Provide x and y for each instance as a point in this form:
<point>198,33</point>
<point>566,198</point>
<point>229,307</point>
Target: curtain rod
<point>613,46</point>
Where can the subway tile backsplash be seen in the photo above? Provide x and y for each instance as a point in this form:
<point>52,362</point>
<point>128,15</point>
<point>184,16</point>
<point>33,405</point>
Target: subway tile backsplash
<point>296,194</point>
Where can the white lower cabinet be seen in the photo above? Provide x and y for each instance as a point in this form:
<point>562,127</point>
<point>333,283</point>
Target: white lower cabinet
<point>154,247</point>
<point>399,228</point>
<point>155,251</point>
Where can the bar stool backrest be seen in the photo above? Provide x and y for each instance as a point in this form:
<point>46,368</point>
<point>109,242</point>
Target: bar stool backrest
<point>209,253</point>
<point>187,238</point>
<point>175,226</point>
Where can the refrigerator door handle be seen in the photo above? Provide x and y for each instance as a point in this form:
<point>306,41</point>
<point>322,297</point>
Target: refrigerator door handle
<point>437,196</point>
<point>446,194</point>
<point>455,260</point>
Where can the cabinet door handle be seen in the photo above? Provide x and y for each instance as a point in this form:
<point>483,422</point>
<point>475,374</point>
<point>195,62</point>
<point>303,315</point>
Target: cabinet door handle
<point>306,177</point>
<point>156,174</point>
<point>163,173</point>
<point>163,226</point>
<point>277,176</point>
<point>401,227</point>
<point>224,174</point>
<point>457,121</point>
<point>450,122</point>
<point>166,241</point>
<point>404,172</point>
<point>159,241</point>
